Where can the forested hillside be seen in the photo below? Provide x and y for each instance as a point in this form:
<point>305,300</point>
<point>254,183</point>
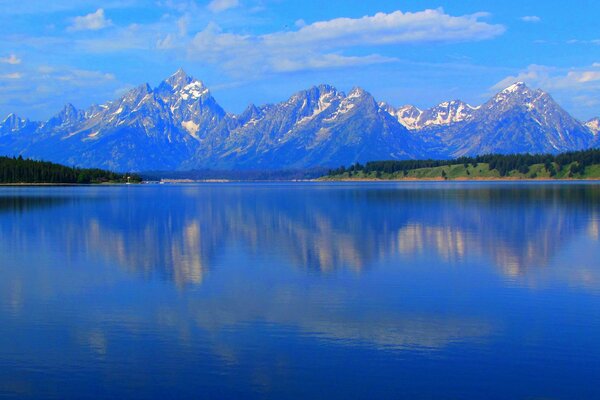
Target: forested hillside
<point>19,170</point>
<point>572,165</point>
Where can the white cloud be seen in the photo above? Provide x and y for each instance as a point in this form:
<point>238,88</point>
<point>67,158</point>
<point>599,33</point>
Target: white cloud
<point>327,61</point>
<point>394,28</point>
<point>12,59</point>
<point>82,77</point>
<point>552,78</point>
<point>300,23</point>
<point>13,75</point>
<point>531,18</point>
<point>579,41</point>
<point>318,45</point>
<point>90,22</point>
<point>217,6</point>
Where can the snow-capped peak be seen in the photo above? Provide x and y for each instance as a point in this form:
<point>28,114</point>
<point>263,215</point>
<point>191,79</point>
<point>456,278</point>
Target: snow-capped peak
<point>179,79</point>
<point>179,73</point>
<point>445,113</point>
<point>515,87</point>
<point>356,93</point>
<point>407,115</point>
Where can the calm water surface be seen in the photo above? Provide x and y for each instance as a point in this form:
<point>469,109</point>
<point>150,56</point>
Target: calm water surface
<point>320,291</point>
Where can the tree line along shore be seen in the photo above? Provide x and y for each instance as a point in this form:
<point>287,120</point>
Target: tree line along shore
<point>17,170</point>
<point>572,165</point>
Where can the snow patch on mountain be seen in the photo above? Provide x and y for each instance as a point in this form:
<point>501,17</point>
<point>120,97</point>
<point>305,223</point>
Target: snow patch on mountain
<point>446,113</point>
<point>179,125</point>
<point>192,128</point>
<point>594,125</point>
<point>325,101</point>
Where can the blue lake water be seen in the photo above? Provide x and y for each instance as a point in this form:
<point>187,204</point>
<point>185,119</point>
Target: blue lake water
<point>318,291</point>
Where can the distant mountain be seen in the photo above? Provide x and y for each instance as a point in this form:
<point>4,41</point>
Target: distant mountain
<point>315,127</point>
<point>14,125</point>
<point>179,125</point>
<point>516,120</point>
<point>145,129</point>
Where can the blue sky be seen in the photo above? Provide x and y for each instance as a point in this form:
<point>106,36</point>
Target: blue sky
<point>262,51</point>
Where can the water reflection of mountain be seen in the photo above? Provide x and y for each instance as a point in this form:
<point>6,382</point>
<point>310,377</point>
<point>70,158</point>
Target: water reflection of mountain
<point>182,232</point>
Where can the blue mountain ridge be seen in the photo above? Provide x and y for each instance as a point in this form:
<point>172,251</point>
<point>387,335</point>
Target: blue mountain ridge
<point>180,126</point>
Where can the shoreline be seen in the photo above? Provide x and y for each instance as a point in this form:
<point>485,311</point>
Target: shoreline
<point>489,179</point>
<point>25,184</point>
<point>318,180</point>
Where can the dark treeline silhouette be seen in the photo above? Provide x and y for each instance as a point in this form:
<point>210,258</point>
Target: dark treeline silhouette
<point>503,163</point>
<point>20,170</point>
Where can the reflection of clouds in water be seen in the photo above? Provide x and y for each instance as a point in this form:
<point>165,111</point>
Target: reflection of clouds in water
<point>259,307</point>
<point>97,342</point>
<point>322,313</point>
<point>407,333</point>
<point>593,229</point>
<point>16,297</point>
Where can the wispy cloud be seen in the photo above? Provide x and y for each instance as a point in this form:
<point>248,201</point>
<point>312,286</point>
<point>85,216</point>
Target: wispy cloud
<point>47,87</point>
<point>90,22</point>
<point>11,59</point>
<point>13,75</point>
<point>319,45</point>
<point>553,78</point>
<point>217,6</point>
<point>531,18</point>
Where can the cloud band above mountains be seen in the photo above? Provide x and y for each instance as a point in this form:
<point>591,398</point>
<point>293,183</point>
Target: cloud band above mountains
<point>319,45</point>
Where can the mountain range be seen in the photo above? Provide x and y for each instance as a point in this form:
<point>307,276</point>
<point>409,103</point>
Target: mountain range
<point>180,126</point>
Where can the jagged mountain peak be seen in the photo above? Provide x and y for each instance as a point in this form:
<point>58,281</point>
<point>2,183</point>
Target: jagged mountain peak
<point>180,125</point>
<point>358,92</point>
<point>179,79</point>
<point>137,93</point>
<point>183,87</point>
<point>518,94</point>
<point>360,97</point>
<point>252,112</point>
<point>518,119</point>
<point>324,87</point>
<point>251,109</point>
<point>408,115</point>
<point>10,118</point>
<point>67,116</point>
<point>69,110</point>
<point>13,123</point>
<point>443,114</point>
<point>517,87</point>
<point>313,93</point>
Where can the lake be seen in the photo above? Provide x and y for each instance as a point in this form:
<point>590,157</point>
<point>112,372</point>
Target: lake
<point>301,290</point>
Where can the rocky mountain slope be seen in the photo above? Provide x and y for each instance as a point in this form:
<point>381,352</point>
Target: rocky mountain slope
<point>179,125</point>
